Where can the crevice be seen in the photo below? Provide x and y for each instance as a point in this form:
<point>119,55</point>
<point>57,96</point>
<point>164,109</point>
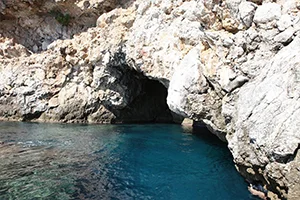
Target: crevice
<point>290,157</point>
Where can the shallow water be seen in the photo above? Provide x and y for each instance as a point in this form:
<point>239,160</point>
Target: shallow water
<point>59,161</point>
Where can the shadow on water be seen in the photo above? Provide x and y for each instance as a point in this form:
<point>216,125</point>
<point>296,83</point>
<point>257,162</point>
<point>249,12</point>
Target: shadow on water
<point>205,135</point>
<point>209,138</point>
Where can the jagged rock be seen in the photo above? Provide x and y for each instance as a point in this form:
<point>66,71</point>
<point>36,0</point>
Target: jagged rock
<point>284,22</point>
<point>31,22</point>
<point>236,83</point>
<point>266,13</point>
<point>246,11</point>
<point>10,49</point>
<point>230,25</point>
<point>206,59</point>
<point>256,142</point>
<point>186,79</point>
<point>285,36</point>
<point>80,80</point>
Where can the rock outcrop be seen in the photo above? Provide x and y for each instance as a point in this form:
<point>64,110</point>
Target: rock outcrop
<point>86,79</point>
<point>232,65</point>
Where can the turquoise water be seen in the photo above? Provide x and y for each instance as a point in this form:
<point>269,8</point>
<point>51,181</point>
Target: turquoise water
<point>58,161</point>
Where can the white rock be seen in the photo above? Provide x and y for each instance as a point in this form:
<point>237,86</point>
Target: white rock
<point>237,82</point>
<point>285,36</point>
<point>226,75</point>
<point>235,52</point>
<point>145,5</point>
<point>284,22</point>
<point>288,5</point>
<point>227,42</point>
<point>166,42</point>
<point>233,5</point>
<point>246,12</point>
<point>267,12</point>
<point>184,78</point>
<point>193,10</point>
<point>265,101</point>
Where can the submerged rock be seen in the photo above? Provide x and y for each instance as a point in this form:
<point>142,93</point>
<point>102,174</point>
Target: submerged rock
<point>232,65</point>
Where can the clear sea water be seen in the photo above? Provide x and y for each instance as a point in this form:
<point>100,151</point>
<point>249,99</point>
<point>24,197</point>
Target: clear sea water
<point>63,161</point>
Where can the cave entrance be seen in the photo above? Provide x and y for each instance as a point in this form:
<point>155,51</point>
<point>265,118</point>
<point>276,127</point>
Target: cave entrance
<point>149,106</point>
<point>146,98</point>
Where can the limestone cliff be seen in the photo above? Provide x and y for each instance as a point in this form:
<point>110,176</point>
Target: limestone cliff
<point>232,64</point>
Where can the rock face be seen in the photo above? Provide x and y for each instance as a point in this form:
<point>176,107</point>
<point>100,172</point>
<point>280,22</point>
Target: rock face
<point>232,65</point>
<point>266,136</point>
<point>85,79</point>
<point>37,23</point>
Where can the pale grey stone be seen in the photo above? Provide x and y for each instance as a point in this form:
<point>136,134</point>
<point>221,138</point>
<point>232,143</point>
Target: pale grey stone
<point>184,81</point>
<point>227,42</point>
<point>236,83</point>
<point>265,101</point>
<point>233,5</point>
<point>289,5</point>
<point>246,12</point>
<point>235,52</point>
<point>284,22</point>
<point>35,48</point>
<point>267,13</point>
<point>285,36</point>
<point>45,45</point>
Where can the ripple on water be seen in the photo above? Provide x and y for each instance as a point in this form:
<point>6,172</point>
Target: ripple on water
<point>54,161</point>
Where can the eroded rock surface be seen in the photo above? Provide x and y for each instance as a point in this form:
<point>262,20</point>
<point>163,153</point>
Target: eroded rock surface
<point>86,79</point>
<point>37,23</point>
<point>232,65</point>
<point>266,136</point>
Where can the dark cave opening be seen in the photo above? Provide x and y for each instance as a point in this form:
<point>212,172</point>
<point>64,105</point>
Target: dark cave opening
<point>147,98</point>
<point>149,106</point>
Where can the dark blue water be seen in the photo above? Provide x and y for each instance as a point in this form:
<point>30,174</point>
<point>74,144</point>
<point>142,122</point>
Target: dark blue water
<point>55,161</point>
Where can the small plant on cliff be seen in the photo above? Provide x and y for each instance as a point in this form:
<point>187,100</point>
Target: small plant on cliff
<point>63,19</point>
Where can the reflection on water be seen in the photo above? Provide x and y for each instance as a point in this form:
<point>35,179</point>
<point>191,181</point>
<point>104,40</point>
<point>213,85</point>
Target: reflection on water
<point>55,161</point>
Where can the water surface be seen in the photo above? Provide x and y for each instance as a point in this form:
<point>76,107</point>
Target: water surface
<point>59,161</point>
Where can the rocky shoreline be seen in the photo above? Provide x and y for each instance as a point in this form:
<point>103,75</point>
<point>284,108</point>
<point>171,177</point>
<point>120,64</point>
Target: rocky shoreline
<point>232,65</point>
